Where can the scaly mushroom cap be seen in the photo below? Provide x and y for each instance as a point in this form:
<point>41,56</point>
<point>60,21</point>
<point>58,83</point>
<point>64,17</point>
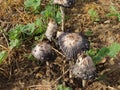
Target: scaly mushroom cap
<point>43,52</point>
<point>51,30</point>
<point>84,67</point>
<point>72,43</point>
<point>64,3</point>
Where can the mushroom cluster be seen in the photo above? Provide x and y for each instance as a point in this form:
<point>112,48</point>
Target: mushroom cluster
<point>73,45</point>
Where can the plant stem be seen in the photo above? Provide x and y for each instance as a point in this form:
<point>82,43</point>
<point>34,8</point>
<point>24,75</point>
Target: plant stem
<point>63,17</point>
<point>83,84</point>
<point>58,52</point>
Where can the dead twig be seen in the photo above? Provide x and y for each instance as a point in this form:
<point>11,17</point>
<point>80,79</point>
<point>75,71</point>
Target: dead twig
<point>4,72</point>
<point>112,88</point>
<point>58,52</point>
<point>36,69</point>
<point>3,33</point>
<point>3,47</point>
<point>21,15</point>
<point>5,22</point>
<point>32,86</point>
<point>60,77</point>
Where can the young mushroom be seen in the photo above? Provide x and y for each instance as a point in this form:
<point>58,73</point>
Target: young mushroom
<point>63,4</point>
<point>51,30</point>
<point>84,68</point>
<point>72,43</point>
<point>43,52</point>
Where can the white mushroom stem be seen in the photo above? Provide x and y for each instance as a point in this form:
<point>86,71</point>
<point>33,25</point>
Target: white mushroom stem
<point>48,68</point>
<point>63,17</point>
<point>84,82</point>
<point>70,72</point>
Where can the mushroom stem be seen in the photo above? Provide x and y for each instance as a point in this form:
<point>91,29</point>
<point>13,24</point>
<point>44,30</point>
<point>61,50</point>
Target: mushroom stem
<point>63,17</point>
<point>84,84</point>
<point>48,68</point>
<point>63,67</point>
<point>70,72</point>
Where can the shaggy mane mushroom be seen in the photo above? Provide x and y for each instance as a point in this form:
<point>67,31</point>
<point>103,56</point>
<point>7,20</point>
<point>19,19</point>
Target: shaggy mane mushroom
<point>84,68</point>
<point>72,43</point>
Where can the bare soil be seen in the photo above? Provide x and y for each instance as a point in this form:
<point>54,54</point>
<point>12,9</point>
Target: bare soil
<point>20,73</point>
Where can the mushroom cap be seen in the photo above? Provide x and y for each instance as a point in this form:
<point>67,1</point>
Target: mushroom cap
<point>72,43</point>
<point>84,67</point>
<point>51,30</point>
<point>64,3</point>
<point>43,52</point>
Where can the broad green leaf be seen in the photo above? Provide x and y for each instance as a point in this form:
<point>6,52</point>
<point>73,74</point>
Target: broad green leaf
<point>113,12</point>
<point>41,37</point>
<point>114,49</point>
<point>15,36</point>
<point>110,51</point>
<point>118,17</point>
<point>38,22</point>
<point>49,12</point>
<point>58,17</point>
<point>40,26</point>
<point>15,43</point>
<point>93,14</point>
<point>113,9</point>
<point>35,4</point>
<point>30,57</point>
<point>61,87</point>
<point>91,52</point>
<point>29,29</point>
<point>89,33</point>
<point>101,54</point>
<point>3,55</point>
<point>15,32</point>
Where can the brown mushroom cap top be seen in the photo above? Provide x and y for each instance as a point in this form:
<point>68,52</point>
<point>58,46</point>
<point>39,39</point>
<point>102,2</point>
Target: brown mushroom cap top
<point>84,67</point>
<point>64,3</point>
<point>43,52</point>
<point>73,39</point>
<point>72,43</point>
